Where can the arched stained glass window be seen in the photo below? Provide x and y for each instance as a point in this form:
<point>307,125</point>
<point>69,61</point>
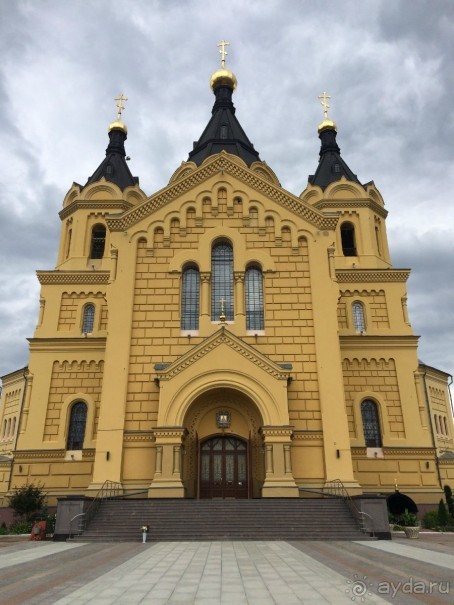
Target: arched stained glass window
<point>98,241</point>
<point>88,319</point>
<point>359,320</point>
<point>371,423</point>
<point>254,299</point>
<point>348,239</point>
<point>77,423</point>
<point>222,281</point>
<point>190,297</point>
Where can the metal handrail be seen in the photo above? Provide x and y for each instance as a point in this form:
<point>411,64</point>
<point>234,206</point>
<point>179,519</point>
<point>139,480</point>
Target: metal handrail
<point>337,489</point>
<point>109,489</point>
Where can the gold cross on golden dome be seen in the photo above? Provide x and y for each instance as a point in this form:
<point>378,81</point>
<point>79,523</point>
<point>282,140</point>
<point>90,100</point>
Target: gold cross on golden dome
<point>223,52</point>
<point>120,105</point>
<point>326,105</point>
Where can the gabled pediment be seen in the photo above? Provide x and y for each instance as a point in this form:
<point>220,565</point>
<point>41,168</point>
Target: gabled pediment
<point>242,353</point>
<point>222,163</point>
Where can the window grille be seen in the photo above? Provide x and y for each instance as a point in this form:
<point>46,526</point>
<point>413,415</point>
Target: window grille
<point>254,299</point>
<point>98,241</point>
<point>190,299</point>
<point>89,319</point>
<point>371,424</point>
<point>359,321</point>
<point>222,281</point>
<point>77,423</point>
<point>348,239</point>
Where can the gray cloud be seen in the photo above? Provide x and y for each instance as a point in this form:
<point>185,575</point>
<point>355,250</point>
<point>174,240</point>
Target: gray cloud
<point>386,64</point>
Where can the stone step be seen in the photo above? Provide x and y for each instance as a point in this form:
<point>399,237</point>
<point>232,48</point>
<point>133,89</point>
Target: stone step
<point>187,520</point>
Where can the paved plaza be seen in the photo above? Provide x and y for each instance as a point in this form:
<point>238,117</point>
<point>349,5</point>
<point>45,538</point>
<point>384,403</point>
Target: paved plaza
<point>233,573</point>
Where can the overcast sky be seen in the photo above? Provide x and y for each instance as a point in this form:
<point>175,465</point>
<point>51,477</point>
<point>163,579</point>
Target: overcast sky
<point>388,66</point>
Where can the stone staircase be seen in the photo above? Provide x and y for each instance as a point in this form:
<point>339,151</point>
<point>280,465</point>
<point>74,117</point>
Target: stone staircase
<point>187,520</point>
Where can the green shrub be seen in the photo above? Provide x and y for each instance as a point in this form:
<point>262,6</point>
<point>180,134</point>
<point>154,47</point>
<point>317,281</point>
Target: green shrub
<point>443,517</point>
<point>21,527</point>
<point>449,500</point>
<point>430,519</point>
<point>407,519</point>
<point>27,500</point>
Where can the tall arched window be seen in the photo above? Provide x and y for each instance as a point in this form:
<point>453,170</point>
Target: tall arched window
<point>359,320</point>
<point>88,320</point>
<point>98,241</point>
<point>348,239</point>
<point>254,299</point>
<point>77,423</point>
<point>371,423</point>
<point>190,297</point>
<point>222,281</point>
<point>437,426</point>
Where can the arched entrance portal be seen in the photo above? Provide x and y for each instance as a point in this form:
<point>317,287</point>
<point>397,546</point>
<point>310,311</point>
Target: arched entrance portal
<point>223,462</point>
<point>224,468</point>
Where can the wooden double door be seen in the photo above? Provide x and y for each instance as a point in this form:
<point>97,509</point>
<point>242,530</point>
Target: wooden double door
<point>224,468</point>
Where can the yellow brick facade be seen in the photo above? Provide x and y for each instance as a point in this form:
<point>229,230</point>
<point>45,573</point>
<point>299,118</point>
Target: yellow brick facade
<point>293,391</point>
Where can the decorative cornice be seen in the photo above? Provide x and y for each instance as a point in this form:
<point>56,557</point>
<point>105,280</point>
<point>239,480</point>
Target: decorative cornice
<point>221,163</point>
<point>361,342</point>
<point>307,436</point>
<point>21,455</point>
<point>138,436</point>
<point>341,204</point>
<point>68,345</point>
<point>276,431</point>
<point>94,205</point>
<point>175,432</point>
<point>73,277</point>
<point>397,451</point>
<point>372,275</point>
<point>222,336</point>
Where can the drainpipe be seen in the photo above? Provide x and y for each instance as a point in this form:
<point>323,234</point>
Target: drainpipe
<point>432,428</point>
<point>25,370</point>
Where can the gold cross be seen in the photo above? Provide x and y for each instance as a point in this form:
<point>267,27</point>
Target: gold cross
<point>223,52</point>
<point>326,106</point>
<point>120,106</point>
<point>222,315</point>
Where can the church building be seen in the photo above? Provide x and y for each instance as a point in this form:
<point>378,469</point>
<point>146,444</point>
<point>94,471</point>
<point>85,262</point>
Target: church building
<point>225,338</point>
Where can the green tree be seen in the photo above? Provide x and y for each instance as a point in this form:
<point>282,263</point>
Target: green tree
<point>449,500</point>
<point>27,500</point>
<point>443,517</point>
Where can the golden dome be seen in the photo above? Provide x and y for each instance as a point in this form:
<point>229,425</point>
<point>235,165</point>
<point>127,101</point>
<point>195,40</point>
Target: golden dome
<point>326,125</point>
<point>118,126</point>
<point>223,77</point>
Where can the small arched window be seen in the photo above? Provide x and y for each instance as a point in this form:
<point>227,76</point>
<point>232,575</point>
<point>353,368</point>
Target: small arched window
<point>359,319</point>
<point>222,281</point>
<point>88,320</point>
<point>224,132</point>
<point>13,430</point>
<point>4,429</point>
<point>371,423</point>
<point>8,432</point>
<point>77,424</point>
<point>254,299</point>
<point>348,239</point>
<point>446,425</point>
<point>98,241</point>
<point>190,297</point>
